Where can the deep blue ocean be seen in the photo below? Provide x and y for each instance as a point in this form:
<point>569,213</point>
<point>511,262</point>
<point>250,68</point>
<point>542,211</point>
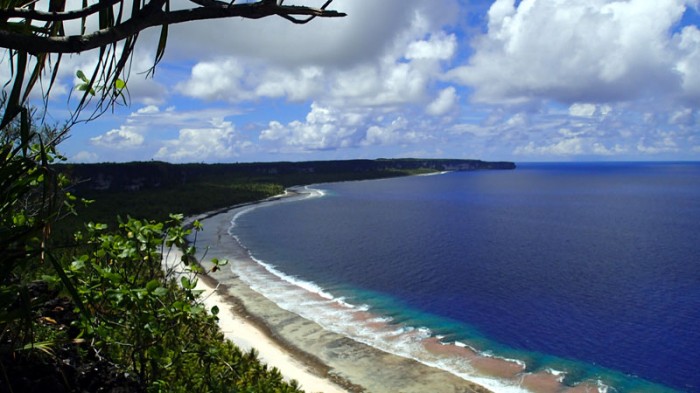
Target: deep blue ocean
<point>588,268</point>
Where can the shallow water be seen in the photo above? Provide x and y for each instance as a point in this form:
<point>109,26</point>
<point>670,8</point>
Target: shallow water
<point>579,268</point>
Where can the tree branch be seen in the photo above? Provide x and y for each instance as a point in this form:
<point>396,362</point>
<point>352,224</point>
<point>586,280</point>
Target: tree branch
<point>55,16</point>
<point>152,16</point>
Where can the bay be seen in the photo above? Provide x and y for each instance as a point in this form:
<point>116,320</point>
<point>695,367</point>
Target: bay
<point>587,268</point>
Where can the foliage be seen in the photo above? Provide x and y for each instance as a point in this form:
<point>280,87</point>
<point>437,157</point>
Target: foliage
<point>151,320</point>
<point>129,313</point>
<point>29,204</point>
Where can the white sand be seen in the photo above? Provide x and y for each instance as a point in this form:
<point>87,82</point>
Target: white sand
<point>247,336</point>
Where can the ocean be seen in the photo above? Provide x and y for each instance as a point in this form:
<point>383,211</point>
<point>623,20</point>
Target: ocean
<point>588,271</point>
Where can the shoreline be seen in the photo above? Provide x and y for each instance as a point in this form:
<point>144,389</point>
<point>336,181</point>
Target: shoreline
<point>342,361</point>
<point>243,307</point>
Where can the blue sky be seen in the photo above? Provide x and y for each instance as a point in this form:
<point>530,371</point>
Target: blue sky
<point>530,80</point>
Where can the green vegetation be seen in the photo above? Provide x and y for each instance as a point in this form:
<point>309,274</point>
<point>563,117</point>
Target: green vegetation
<point>152,322</point>
<point>96,310</point>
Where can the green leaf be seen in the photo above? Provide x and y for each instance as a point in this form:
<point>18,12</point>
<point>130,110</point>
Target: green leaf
<point>77,265</point>
<point>82,76</point>
<point>160,292</point>
<point>86,87</point>
<point>179,305</point>
<point>119,84</point>
<point>215,310</point>
<point>152,285</point>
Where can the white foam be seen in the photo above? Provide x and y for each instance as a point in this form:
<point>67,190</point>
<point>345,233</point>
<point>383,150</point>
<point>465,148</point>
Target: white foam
<point>434,173</point>
<point>559,374</point>
<point>602,387</point>
<point>490,354</point>
<point>336,314</point>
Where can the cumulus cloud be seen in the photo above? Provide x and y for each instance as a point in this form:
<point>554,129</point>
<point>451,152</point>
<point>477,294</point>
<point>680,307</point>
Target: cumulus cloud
<point>217,142</point>
<point>172,135</point>
<point>582,51</point>
<point>568,145</point>
<point>440,47</point>
<point>444,102</point>
<point>540,79</point>
<point>122,138</point>
<point>664,142</point>
<point>397,132</point>
<point>684,116</point>
<point>327,128</point>
<point>410,59</point>
<point>688,65</point>
<point>85,156</point>
<point>367,32</point>
<point>324,128</point>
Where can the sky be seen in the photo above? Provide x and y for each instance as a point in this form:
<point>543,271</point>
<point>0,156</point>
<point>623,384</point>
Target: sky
<point>529,80</point>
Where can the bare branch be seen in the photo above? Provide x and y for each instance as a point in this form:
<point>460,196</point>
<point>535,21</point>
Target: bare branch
<point>151,16</point>
<point>23,36</point>
<point>55,16</point>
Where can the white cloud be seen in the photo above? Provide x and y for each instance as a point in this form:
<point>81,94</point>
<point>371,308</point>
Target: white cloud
<point>581,51</point>
<point>216,80</point>
<point>298,85</point>
<point>689,64</point>
<point>148,109</point>
<point>324,128</point>
<point>685,116</point>
<point>582,110</point>
<point>123,138</point>
<point>602,150</point>
<point>217,142</point>
<point>85,156</point>
<point>571,144</point>
<point>445,101</point>
<point>327,128</point>
<point>143,89</point>
<point>396,132</point>
<point>368,31</point>
<point>546,78</point>
<point>386,70</point>
<point>438,47</point>
<point>564,147</point>
<point>664,143</point>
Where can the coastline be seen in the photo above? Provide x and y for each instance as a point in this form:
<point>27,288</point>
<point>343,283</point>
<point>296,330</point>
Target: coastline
<point>252,321</point>
<point>334,358</point>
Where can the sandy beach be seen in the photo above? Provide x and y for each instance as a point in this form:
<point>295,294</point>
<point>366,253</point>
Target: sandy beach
<point>324,361</point>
